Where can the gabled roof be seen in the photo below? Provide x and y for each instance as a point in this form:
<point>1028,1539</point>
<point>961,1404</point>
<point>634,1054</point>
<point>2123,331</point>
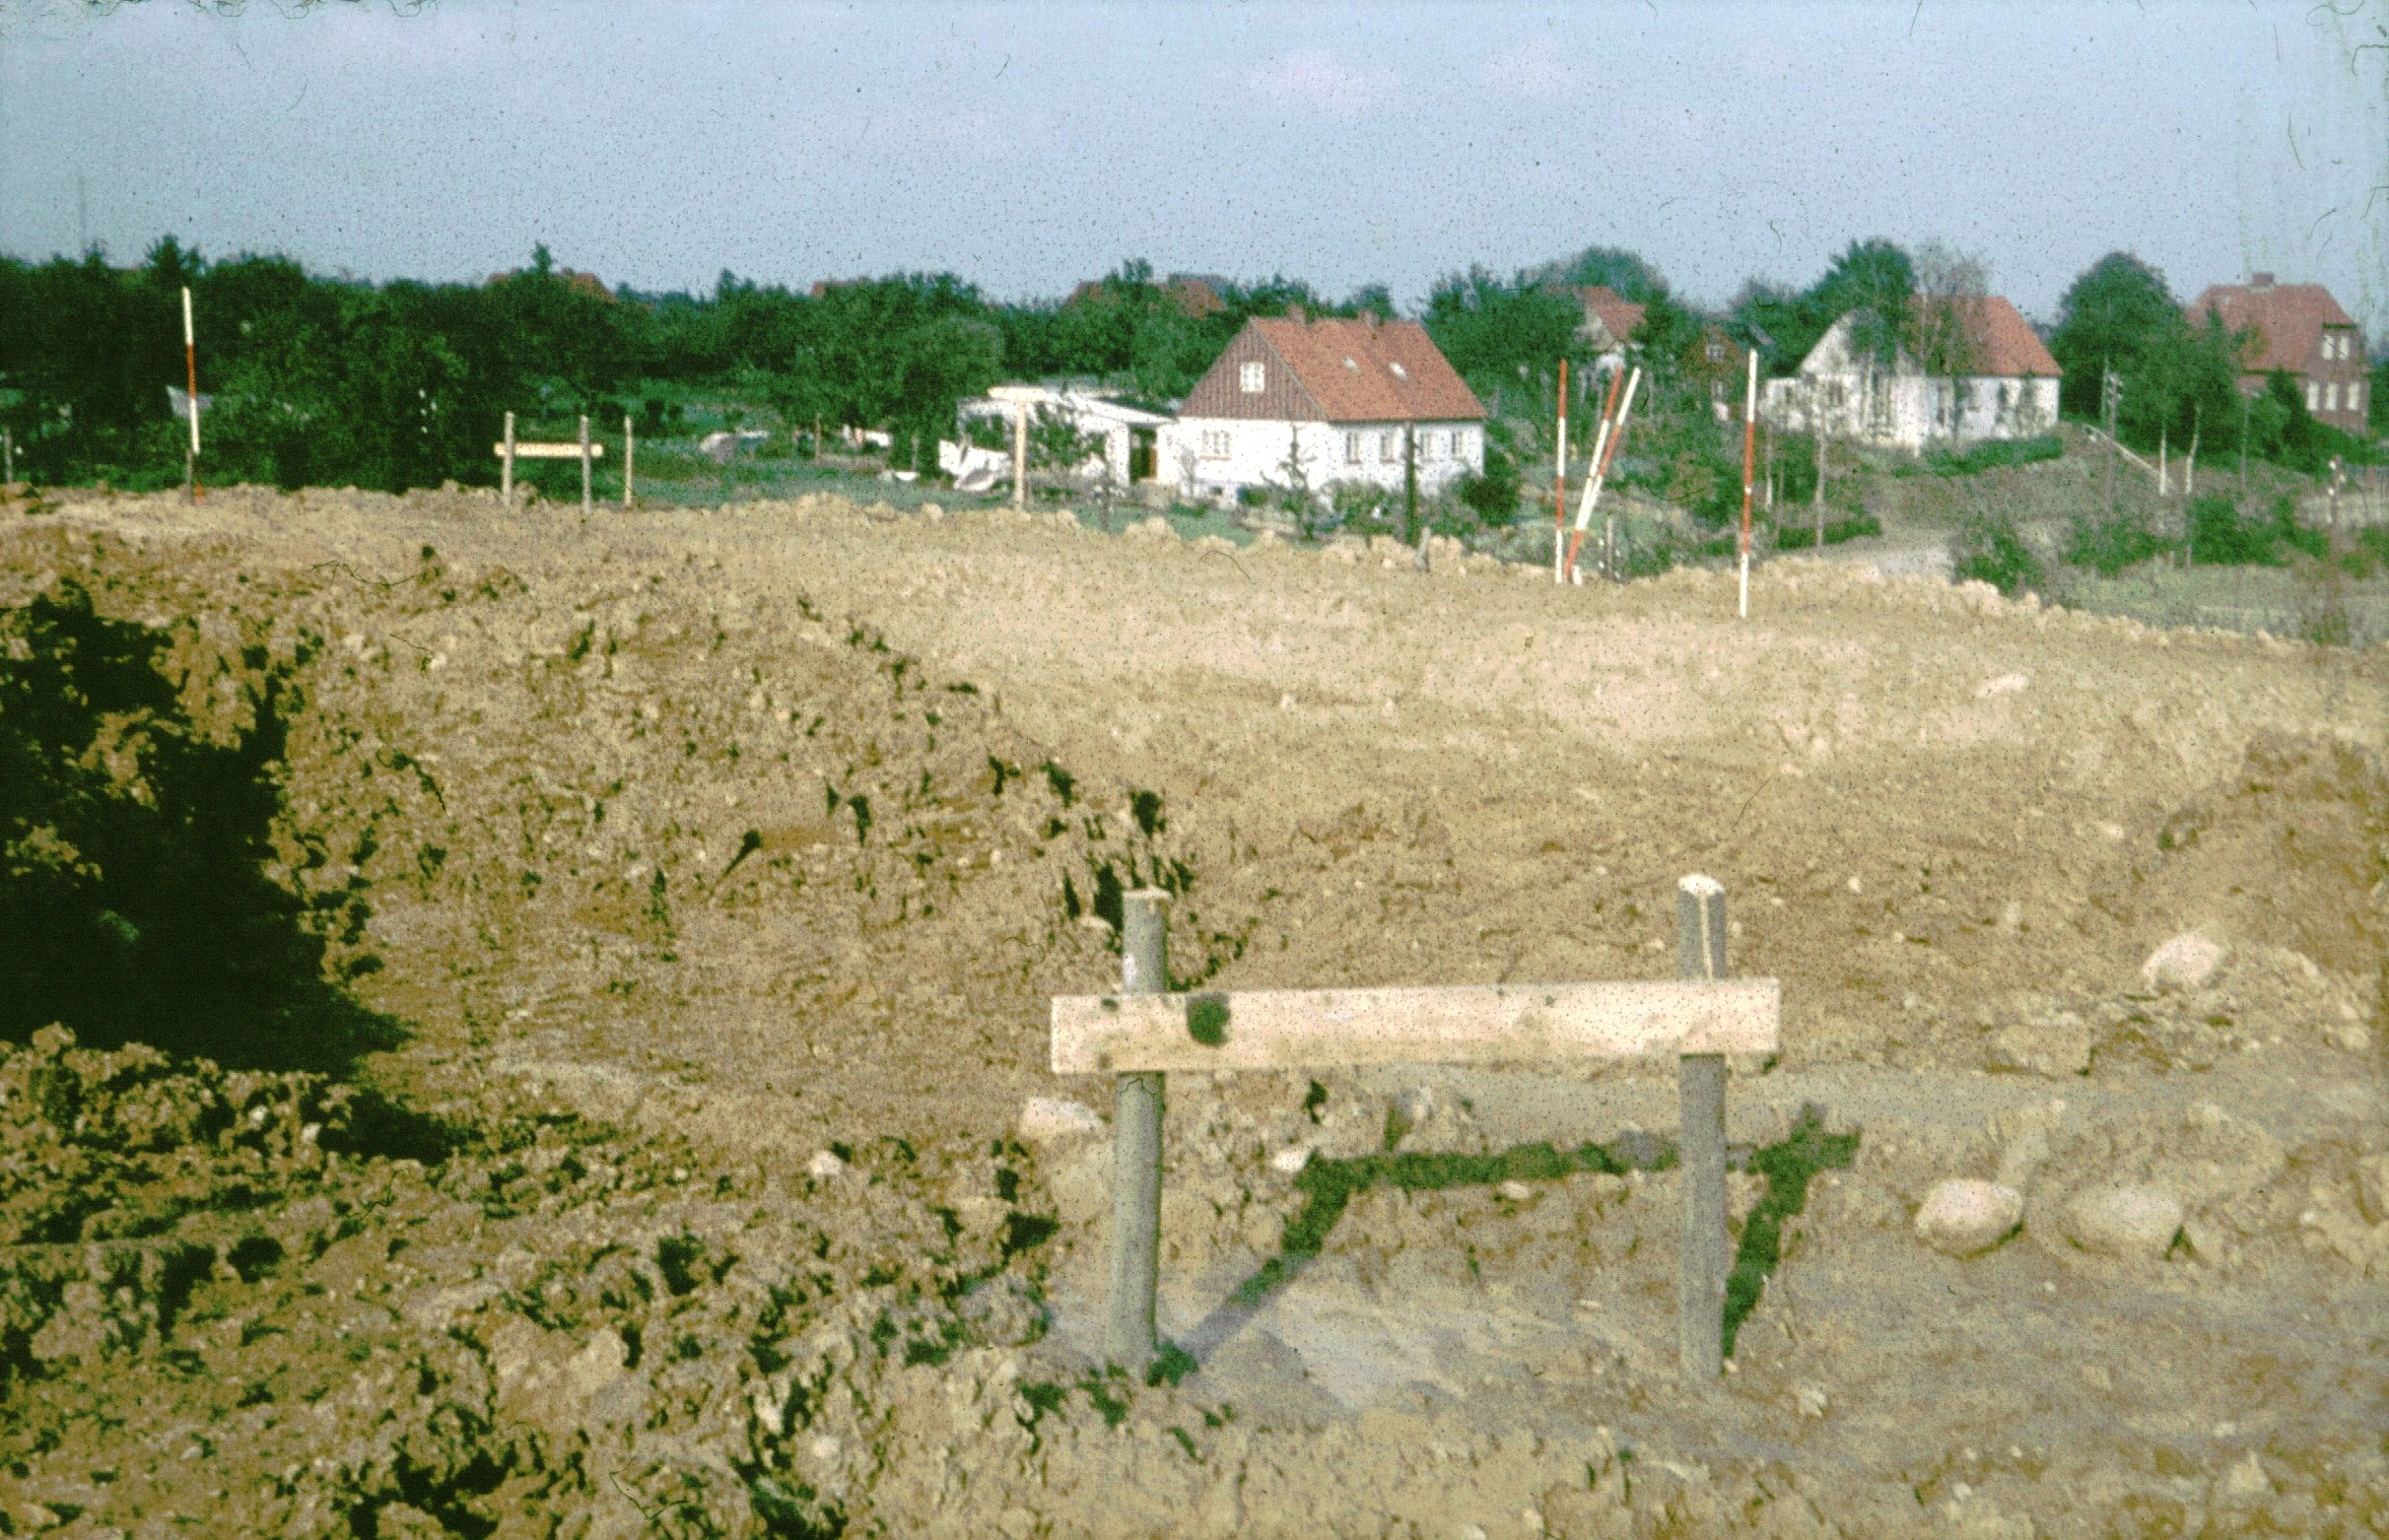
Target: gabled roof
<point>2287,319</point>
<point>2003,342</point>
<point>1619,314</point>
<point>1370,372</point>
<point>1196,295</point>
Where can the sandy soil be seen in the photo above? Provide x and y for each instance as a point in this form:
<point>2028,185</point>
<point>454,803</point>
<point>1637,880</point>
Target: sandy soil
<point>701,879</point>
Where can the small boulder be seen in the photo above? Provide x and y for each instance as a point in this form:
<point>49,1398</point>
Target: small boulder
<point>2190,960</point>
<point>2245,1482</point>
<point>825,1166</point>
<point>1961,1217</point>
<point>1048,1119</point>
<point>2127,1222</point>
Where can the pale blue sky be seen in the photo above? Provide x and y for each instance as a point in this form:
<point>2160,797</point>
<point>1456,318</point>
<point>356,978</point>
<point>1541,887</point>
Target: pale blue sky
<point>1028,145</point>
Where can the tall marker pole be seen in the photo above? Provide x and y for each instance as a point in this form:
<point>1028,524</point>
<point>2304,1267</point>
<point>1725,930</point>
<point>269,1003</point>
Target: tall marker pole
<point>190,382</point>
<point>1559,483</point>
<point>1749,451</point>
<point>1600,474</point>
<point>630,462</point>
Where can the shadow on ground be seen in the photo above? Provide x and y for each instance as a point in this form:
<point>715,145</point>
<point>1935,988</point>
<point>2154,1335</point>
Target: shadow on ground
<point>134,842</point>
<point>1329,1186</point>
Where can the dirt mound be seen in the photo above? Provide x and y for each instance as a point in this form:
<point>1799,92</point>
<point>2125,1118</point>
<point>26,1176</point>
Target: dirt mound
<point>696,884</point>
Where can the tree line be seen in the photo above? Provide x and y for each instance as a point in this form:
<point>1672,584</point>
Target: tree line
<point>329,381</point>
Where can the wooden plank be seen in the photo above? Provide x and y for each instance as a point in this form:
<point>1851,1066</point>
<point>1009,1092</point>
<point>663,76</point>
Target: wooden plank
<point>527,450</point>
<point>1291,1029</point>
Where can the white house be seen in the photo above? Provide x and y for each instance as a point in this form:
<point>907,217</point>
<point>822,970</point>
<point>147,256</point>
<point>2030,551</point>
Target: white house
<point>2010,389</point>
<point>1129,453</point>
<point>1331,400</point>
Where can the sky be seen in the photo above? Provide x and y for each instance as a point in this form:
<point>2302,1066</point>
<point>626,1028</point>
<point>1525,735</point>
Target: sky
<point>1029,145</point>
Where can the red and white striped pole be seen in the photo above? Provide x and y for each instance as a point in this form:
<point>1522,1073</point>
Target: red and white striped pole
<point>1559,483</point>
<point>1749,452</point>
<point>190,380</point>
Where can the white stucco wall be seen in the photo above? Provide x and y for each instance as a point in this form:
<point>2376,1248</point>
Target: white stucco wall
<point>1897,407</point>
<point>1258,451</point>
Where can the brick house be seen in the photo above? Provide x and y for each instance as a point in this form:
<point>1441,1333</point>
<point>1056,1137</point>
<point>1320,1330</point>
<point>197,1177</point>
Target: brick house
<point>1349,400</point>
<point>2300,329</point>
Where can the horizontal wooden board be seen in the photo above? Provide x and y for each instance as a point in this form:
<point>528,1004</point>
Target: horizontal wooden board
<point>1314,1028</point>
<point>551,451</point>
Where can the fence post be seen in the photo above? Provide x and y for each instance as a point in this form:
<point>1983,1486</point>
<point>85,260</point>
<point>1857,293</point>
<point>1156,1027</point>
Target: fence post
<point>1705,1261</point>
<point>630,461</point>
<point>8,448</point>
<point>506,470</point>
<point>1137,1112</point>
<point>585,489</point>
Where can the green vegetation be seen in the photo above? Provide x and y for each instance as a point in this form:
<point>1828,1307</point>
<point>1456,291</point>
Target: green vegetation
<point>1992,454</point>
<point>1989,548</point>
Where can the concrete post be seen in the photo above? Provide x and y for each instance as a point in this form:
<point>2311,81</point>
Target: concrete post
<point>585,489</point>
<point>1700,1162</point>
<point>1136,1113</point>
<point>505,465</point>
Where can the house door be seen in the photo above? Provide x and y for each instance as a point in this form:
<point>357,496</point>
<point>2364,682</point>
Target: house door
<point>1140,456</point>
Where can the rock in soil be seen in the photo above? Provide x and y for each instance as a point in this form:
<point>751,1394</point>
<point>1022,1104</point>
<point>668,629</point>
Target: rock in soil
<point>2126,1222</point>
<point>1961,1217</point>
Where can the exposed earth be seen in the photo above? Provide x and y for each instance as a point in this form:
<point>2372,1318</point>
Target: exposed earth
<point>547,1013</point>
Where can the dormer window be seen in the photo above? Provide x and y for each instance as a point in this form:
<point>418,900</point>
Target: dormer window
<point>1253,378</point>
<point>1352,364</point>
<point>1398,372</point>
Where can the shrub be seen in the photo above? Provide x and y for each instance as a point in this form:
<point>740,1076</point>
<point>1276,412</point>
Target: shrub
<point>1357,500</point>
<point>1989,548</point>
<point>1493,496</point>
<point>2107,545</point>
<point>2220,537</point>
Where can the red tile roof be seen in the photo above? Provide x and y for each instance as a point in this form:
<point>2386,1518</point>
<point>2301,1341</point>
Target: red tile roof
<point>2287,320</point>
<point>2004,343</point>
<point>1371,372</point>
<point>1621,315</point>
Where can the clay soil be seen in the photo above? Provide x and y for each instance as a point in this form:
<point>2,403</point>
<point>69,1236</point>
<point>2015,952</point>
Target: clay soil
<point>680,896</point>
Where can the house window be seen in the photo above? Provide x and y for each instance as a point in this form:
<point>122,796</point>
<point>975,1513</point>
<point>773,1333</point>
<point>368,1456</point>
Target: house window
<point>1215,443</point>
<point>2356,397</point>
<point>1717,352</point>
<point>1460,443</point>
<point>2331,396</point>
<point>1351,448</point>
<point>1253,378</point>
<point>1389,447</point>
<point>2315,396</point>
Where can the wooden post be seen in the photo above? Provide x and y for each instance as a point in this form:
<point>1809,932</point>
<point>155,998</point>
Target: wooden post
<point>8,454</point>
<point>1700,1160</point>
<point>586,488</point>
<point>1020,454</point>
<point>1136,1115</point>
<point>630,462</point>
<point>506,468</point>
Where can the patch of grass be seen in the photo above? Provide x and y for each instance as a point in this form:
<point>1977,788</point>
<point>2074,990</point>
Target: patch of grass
<point>1788,1168</point>
<point>1994,453</point>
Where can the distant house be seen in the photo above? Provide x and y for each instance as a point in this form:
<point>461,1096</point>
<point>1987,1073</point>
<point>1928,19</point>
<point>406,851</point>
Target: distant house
<point>2300,329</point>
<point>1330,401</point>
<point>580,283</point>
<point>1714,360</point>
<point>2008,390</point>
<point>1192,294</point>
<point>1610,320</point>
<point>1129,452</point>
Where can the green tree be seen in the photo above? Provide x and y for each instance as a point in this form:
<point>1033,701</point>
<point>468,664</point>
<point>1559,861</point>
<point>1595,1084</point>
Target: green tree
<point>1611,267</point>
<point>2114,315</point>
<point>1493,331</point>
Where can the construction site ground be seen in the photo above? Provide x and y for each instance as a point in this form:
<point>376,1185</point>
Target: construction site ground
<point>663,1140</point>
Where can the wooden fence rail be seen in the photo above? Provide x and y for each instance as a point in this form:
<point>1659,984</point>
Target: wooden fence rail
<point>1143,1032</point>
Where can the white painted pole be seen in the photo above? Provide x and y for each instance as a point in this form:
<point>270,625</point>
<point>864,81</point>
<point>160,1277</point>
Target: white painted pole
<point>1749,447</point>
<point>506,468</point>
<point>1559,483</point>
<point>630,452</point>
<point>190,369</point>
